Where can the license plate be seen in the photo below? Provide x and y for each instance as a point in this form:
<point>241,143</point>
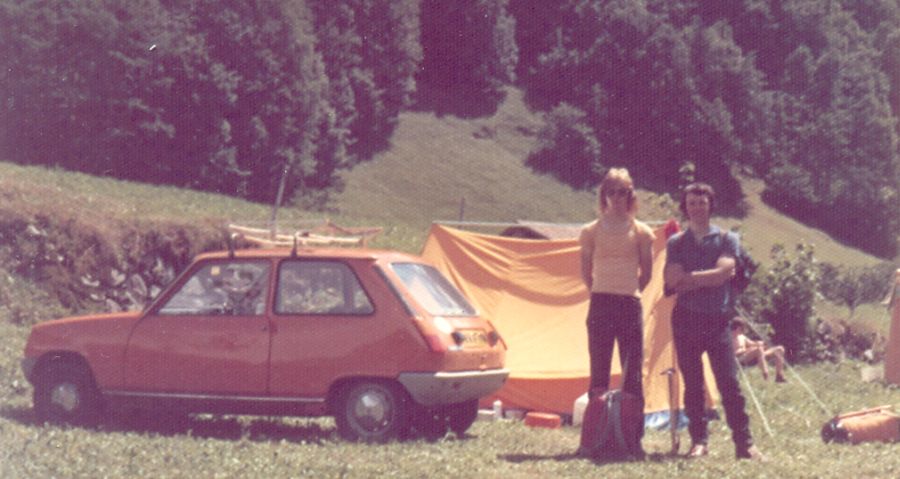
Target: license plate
<point>473,338</point>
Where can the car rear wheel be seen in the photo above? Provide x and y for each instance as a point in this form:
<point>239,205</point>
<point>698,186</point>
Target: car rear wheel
<point>462,415</point>
<point>371,411</point>
<point>65,393</point>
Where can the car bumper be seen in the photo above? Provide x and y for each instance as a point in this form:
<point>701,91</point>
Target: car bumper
<point>429,389</point>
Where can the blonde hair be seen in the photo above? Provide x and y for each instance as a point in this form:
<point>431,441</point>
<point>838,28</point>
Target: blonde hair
<point>615,177</point>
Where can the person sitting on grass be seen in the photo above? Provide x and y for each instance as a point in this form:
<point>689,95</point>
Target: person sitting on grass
<point>749,351</point>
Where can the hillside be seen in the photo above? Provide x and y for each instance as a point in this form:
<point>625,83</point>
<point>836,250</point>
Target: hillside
<point>435,161</point>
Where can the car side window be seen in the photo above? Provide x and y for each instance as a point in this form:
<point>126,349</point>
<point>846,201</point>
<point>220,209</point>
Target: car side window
<point>320,287</point>
<point>233,288</point>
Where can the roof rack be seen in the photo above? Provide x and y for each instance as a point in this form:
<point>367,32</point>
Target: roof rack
<point>320,233</point>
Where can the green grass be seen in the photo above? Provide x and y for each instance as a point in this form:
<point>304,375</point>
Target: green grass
<point>209,446</point>
<point>433,163</point>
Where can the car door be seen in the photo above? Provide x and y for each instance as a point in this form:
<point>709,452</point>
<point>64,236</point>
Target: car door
<point>326,325</point>
<point>210,337</point>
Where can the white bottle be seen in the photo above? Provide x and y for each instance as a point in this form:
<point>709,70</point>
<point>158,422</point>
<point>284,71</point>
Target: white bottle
<point>498,410</point>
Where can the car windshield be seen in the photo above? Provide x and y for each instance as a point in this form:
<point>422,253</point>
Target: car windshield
<point>431,290</point>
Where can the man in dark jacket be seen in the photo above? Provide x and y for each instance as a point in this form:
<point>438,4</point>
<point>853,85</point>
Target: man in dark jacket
<point>699,266</point>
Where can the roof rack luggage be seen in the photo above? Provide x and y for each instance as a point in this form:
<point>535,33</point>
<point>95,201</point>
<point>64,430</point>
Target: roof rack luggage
<point>319,233</point>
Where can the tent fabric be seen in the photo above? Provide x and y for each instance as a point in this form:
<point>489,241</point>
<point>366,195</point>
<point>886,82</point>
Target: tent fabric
<point>892,350</point>
<point>531,290</point>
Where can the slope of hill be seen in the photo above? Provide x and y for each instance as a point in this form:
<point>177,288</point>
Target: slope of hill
<point>435,162</point>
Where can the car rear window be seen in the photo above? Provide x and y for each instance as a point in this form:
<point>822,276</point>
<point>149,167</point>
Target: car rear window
<point>432,290</point>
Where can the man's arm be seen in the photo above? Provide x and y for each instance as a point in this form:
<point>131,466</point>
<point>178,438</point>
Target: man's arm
<point>587,262</point>
<point>645,262</point>
<point>680,281</point>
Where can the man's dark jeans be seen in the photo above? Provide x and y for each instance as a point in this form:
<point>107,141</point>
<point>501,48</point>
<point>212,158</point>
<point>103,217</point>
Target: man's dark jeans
<point>616,317</point>
<point>694,334</point>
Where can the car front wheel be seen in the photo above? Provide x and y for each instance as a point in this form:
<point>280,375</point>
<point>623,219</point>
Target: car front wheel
<point>372,412</point>
<point>65,394</point>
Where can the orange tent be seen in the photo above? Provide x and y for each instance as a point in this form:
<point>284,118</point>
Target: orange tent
<point>531,290</point>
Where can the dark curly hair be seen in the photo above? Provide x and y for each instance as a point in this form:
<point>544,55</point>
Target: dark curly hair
<point>697,189</point>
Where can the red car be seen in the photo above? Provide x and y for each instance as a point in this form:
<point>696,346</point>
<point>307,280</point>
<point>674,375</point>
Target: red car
<point>380,340</point>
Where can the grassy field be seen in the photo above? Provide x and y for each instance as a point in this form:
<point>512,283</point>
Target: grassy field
<point>437,168</point>
<point>282,448</point>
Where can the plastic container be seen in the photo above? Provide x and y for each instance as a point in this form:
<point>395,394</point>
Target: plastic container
<point>578,409</point>
<point>498,410</point>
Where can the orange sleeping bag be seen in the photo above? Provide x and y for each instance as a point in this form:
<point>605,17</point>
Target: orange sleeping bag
<point>875,424</point>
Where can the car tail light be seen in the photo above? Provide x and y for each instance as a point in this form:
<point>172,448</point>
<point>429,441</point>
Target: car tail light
<point>493,338</point>
<point>435,343</point>
<point>458,337</point>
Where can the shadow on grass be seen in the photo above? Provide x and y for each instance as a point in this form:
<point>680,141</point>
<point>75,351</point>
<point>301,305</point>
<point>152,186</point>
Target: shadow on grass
<point>228,428</point>
<point>232,428</point>
<point>520,458</point>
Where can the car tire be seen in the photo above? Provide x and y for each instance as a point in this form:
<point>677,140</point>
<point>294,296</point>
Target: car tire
<point>372,411</point>
<point>462,415</point>
<point>430,424</point>
<point>65,393</point>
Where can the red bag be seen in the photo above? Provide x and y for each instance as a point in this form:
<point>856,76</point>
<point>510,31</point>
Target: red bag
<point>613,422</point>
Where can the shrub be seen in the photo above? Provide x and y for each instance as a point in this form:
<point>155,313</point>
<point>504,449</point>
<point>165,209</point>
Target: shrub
<point>789,288</point>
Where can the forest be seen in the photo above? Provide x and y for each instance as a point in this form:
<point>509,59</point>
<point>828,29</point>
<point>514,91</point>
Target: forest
<point>270,100</point>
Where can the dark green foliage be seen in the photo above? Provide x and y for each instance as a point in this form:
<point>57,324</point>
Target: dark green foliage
<point>799,92</point>
<point>789,288</point>
<point>220,96</point>
<point>371,52</point>
<point>851,287</point>
<point>536,20</point>
<point>230,96</point>
<point>656,94</point>
<point>568,148</point>
<point>470,52</point>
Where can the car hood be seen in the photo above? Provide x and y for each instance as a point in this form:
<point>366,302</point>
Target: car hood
<point>81,333</point>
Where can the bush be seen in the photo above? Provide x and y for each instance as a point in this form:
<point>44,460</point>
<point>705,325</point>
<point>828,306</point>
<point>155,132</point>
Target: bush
<point>786,303</point>
<point>567,148</point>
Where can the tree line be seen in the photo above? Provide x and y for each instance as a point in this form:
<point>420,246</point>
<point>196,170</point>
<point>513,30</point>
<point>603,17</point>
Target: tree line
<point>802,93</point>
<point>245,98</point>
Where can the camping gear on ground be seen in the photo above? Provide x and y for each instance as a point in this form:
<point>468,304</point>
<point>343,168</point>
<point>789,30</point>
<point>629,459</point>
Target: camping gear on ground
<point>612,426</point>
<point>874,424</point>
<point>497,407</point>
<point>532,292</point>
<point>543,419</point>
<point>578,409</point>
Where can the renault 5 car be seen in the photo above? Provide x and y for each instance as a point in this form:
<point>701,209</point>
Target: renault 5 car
<point>379,340</point>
